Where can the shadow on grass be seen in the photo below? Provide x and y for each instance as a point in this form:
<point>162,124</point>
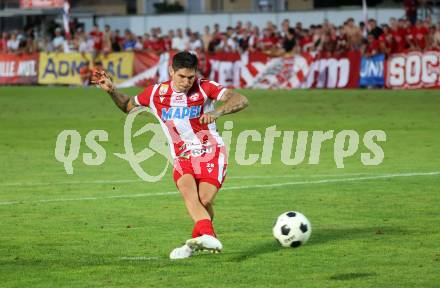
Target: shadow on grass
<point>322,236</point>
<point>269,246</point>
<point>351,276</point>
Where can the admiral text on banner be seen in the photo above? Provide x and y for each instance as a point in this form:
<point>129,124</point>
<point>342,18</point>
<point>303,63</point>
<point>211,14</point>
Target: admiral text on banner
<point>118,65</point>
<point>61,68</point>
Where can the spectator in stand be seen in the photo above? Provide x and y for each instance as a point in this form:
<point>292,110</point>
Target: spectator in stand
<point>354,35</point>
<point>195,43</point>
<point>289,42</point>
<point>341,40</point>
<point>243,43</point>
<point>270,42</point>
<point>285,26</point>
<point>44,44</point>
<point>372,46</point>
<point>138,46</point>
<point>387,41</point>
<point>398,32</point>
<point>306,40</point>
<point>4,42</point>
<point>420,34</point>
<point>117,41</point>
<point>254,39</point>
<point>217,37</point>
<point>408,35</point>
<point>188,33</point>
<point>179,43</point>
<point>228,43</point>
<point>206,38</point>
<point>436,38</point>
<point>374,29</point>
<point>58,41</point>
<point>157,44</point>
<point>411,7</point>
<point>13,43</point>
<point>146,43</point>
<point>168,40</point>
<point>107,39</point>
<point>130,41</point>
<point>98,39</point>
<point>29,42</point>
<point>271,27</point>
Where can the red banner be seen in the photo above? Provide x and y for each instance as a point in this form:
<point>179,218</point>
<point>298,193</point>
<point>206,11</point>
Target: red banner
<point>335,72</point>
<point>41,3</point>
<point>258,70</point>
<point>413,70</point>
<point>15,69</point>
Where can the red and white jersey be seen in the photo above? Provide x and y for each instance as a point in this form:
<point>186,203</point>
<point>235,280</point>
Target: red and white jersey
<point>179,115</point>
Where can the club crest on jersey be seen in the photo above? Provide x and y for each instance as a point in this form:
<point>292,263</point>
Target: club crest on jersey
<point>163,89</point>
<point>181,112</point>
<point>194,97</point>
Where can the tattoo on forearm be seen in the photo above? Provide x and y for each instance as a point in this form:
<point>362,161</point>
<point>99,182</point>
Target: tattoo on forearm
<point>234,102</point>
<point>121,100</point>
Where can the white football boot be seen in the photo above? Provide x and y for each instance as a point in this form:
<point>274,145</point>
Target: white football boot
<point>181,252</point>
<point>205,242</point>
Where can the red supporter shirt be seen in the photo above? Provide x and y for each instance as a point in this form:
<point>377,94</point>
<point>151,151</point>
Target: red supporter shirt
<point>98,38</point>
<point>269,42</point>
<point>373,47</point>
<point>179,114</point>
<point>399,38</point>
<point>419,37</point>
<point>389,41</point>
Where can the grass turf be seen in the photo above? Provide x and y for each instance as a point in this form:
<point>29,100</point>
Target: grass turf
<point>380,232</point>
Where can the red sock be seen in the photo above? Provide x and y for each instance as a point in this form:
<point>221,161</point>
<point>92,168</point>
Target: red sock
<point>203,227</point>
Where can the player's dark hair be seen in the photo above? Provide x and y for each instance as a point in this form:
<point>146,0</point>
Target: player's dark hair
<point>184,60</point>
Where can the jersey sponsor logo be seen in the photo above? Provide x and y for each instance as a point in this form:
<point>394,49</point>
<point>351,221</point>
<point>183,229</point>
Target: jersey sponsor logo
<point>161,98</point>
<point>181,112</point>
<point>178,99</point>
<point>163,89</point>
<point>194,97</point>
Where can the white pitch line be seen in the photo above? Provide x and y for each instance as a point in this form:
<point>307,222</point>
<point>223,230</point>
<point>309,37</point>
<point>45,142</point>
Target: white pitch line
<point>312,182</point>
<point>121,181</point>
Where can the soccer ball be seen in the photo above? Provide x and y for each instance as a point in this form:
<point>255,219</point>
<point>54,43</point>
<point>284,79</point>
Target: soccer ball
<point>292,229</point>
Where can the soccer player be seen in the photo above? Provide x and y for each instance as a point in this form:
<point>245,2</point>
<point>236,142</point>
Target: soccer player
<point>185,107</point>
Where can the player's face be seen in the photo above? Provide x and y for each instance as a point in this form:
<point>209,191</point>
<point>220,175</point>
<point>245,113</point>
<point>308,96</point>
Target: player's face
<point>183,79</point>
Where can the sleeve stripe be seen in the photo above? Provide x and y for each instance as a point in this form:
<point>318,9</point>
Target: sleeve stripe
<point>136,100</point>
<point>220,95</point>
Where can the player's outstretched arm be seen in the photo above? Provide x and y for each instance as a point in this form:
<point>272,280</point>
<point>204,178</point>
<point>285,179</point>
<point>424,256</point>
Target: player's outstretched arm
<point>104,81</point>
<point>233,102</point>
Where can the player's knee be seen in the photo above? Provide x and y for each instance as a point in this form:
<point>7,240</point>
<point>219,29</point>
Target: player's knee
<point>206,201</point>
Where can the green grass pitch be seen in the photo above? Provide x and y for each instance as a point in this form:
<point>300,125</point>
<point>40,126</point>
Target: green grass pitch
<point>373,226</point>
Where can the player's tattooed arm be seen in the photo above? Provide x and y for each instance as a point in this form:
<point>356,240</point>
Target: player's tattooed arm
<point>124,102</point>
<point>104,81</point>
<point>233,102</point>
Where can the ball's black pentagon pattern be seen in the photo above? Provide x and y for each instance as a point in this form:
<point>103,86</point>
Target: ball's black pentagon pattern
<point>303,227</point>
<point>285,230</point>
<point>295,244</point>
<point>291,214</point>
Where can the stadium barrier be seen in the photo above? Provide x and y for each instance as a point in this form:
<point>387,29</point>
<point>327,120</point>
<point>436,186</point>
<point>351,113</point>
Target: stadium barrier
<point>248,70</point>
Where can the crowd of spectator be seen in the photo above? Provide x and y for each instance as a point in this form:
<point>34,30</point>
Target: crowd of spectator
<point>398,35</point>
